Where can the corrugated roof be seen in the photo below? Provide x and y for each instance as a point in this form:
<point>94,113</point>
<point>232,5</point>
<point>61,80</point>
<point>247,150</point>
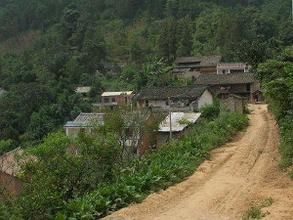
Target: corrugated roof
<point>179,121</point>
<point>162,93</point>
<point>83,89</point>
<point>87,120</point>
<point>235,78</point>
<point>105,94</point>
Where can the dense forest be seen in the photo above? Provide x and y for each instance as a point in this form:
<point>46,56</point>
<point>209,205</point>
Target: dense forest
<point>48,47</point>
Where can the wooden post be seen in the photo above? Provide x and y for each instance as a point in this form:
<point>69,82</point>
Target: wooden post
<point>170,117</point>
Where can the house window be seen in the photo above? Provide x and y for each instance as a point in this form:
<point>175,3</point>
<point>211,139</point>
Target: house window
<point>146,103</point>
<point>106,100</point>
<point>248,87</point>
<point>113,100</point>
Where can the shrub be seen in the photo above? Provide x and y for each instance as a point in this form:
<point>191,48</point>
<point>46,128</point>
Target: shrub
<point>6,146</point>
<point>286,147</point>
<point>211,111</point>
<point>60,174</point>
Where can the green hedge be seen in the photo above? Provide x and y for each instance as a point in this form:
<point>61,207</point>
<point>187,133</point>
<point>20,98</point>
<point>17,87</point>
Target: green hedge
<point>286,147</point>
<point>156,171</point>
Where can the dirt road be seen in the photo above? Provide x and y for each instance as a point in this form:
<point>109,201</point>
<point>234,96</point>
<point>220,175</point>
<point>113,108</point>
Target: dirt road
<point>241,173</point>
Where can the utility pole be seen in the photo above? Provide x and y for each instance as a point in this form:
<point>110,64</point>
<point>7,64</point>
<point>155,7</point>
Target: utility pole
<point>170,116</point>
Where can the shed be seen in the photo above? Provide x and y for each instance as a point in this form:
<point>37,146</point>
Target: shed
<point>178,125</point>
<point>85,122</point>
<point>234,103</point>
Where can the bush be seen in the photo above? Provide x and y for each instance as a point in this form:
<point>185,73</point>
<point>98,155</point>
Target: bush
<point>211,111</point>
<point>286,147</point>
<point>6,146</point>
<point>60,175</point>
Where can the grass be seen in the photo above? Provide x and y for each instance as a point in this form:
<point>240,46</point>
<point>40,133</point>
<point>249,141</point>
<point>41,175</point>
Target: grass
<point>286,146</point>
<point>255,212</point>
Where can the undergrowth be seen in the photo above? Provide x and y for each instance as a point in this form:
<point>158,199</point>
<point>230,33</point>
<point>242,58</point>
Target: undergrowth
<point>156,171</point>
<point>255,212</point>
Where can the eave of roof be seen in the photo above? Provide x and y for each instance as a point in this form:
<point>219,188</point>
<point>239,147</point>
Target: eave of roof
<point>187,92</point>
<point>235,78</point>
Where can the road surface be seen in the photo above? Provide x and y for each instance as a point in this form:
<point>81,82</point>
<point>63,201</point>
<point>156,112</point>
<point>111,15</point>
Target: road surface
<point>239,175</point>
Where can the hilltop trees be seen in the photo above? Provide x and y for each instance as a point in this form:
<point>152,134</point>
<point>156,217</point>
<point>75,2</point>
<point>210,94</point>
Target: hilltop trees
<point>80,42</point>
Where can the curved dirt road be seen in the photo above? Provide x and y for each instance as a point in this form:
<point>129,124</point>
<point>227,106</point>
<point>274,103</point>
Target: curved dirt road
<point>241,173</point>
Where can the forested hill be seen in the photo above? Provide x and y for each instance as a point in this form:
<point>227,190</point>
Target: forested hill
<point>47,47</point>
<point>129,29</point>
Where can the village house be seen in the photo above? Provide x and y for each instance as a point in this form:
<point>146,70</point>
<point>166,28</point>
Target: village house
<point>177,126</point>
<point>189,98</point>
<point>241,84</point>
<point>84,123</point>
<point>229,68</point>
<point>114,99</point>
<point>192,67</point>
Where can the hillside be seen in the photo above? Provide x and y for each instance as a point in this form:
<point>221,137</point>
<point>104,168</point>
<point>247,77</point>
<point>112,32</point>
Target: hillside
<point>48,48</point>
<point>89,42</point>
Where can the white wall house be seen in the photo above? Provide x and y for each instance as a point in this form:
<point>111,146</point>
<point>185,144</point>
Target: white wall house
<point>186,99</point>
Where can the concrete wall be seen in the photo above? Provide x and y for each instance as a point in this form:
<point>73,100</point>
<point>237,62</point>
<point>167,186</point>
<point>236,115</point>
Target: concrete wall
<point>205,99</point>
<point>117,100</point>
<point>233,104</point>
<point>73,132</point>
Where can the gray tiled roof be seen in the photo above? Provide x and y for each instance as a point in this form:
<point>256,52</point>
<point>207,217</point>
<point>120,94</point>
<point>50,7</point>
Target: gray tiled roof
<point>202,61</point>
<point>235,78</point>
<point>172,92</point>
<point>87,120</point>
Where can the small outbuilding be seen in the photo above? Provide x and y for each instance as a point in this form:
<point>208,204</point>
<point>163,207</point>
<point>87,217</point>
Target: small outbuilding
<point>175,125</point>
<point>84,123</point>
<point>234,103</point>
